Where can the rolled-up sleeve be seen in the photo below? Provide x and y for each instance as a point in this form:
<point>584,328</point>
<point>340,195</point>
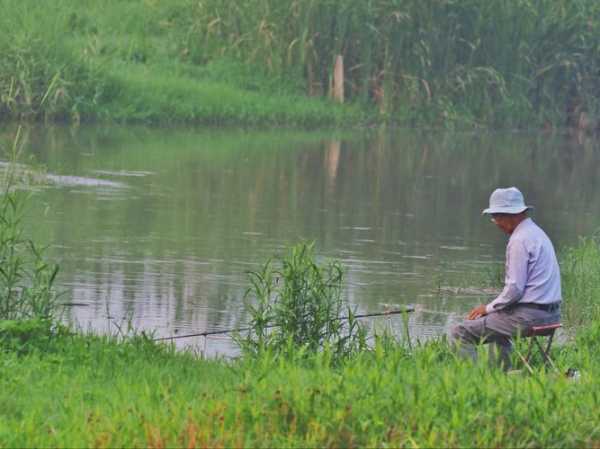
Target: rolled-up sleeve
<point>517,261</point>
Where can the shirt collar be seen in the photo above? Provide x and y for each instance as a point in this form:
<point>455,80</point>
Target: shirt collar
<point>523,224</point>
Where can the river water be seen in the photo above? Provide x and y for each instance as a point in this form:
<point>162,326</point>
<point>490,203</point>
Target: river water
<point>159,227</point>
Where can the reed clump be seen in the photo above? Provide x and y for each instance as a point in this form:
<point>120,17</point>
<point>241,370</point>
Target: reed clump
<point>28,297</point>
<point>495,63</point>
<point>40,77</point>
<point>26,276</point>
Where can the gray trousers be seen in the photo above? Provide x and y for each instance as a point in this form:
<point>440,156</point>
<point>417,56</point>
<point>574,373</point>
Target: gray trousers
<point>499,328</point>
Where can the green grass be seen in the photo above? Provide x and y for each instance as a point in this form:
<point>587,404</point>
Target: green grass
<point>165,99</point>
<point>79,391</point>
<point>580,272</point>
<point>514,63</point>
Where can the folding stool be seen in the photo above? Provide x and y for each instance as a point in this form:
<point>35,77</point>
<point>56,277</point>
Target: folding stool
<point>535,332</point>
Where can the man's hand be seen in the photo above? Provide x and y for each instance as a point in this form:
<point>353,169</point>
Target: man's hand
<point>477,312</point>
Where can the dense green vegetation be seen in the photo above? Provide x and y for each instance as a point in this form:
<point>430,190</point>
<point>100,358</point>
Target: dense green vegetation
<point>475,61</point>
<point>73,391</point>
<point>581,281</point>
<point>78,61</point>
<point>467,63</point>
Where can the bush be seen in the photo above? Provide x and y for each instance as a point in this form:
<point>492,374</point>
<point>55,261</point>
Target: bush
<point>295,303</point>
<point>23,336</point>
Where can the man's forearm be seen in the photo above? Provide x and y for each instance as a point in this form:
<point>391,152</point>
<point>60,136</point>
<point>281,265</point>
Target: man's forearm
<point>510,295</point>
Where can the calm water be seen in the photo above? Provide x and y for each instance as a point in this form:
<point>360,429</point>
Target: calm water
<point>160,226</point>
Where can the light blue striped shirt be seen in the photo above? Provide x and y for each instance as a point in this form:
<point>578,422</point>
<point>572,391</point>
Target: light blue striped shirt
<point>532,274</point>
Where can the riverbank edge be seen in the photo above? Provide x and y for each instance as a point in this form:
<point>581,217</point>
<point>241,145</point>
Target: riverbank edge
<point>203,103</point>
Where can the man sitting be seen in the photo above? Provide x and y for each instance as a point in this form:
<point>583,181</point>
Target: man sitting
<point>531,294</point>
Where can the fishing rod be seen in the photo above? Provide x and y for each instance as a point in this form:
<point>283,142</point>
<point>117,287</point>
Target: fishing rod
<point>407,309</point>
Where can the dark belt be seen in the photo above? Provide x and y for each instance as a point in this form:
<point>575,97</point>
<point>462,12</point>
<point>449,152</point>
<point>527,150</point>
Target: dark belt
<point>552,307</point>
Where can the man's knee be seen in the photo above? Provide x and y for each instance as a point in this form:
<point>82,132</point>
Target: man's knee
<point>470,331</point>
<point>458,333</point>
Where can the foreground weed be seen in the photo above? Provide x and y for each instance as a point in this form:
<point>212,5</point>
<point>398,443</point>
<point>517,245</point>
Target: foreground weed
<point>26,276</point>
<point>295,303</point>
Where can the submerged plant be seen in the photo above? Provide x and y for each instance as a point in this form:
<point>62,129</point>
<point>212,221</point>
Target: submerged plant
<point>293,302</point>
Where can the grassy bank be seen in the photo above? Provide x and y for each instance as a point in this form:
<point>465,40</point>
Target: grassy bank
<point>75,391</point>
<point>460,63</point>
<point>88,61</point>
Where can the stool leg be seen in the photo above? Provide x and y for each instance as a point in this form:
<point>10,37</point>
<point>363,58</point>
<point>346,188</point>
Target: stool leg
<point>549,342</point>
<point>546,353</point>
<point>547,360</point>
<point>530,348</point>
<point>525,359</point>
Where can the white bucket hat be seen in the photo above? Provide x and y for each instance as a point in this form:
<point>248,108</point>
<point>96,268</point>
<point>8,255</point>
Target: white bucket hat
<point>506,201</point>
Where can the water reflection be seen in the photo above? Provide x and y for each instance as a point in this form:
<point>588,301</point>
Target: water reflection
<point>400,208</point>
